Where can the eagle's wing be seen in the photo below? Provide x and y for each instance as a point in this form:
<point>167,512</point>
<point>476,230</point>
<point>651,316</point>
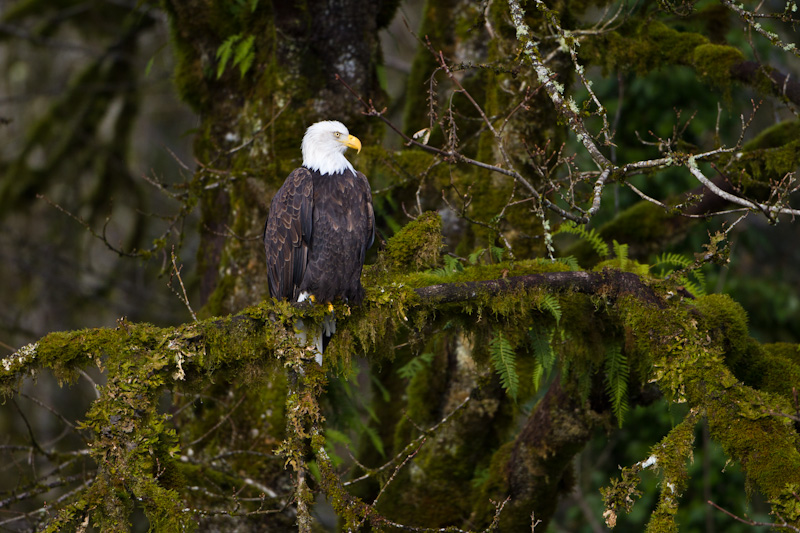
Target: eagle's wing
<point>370,228</point>
<point>287,234</point>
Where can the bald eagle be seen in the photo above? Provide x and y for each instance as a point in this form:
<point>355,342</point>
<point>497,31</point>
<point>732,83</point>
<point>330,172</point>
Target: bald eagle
<point>320,225</point>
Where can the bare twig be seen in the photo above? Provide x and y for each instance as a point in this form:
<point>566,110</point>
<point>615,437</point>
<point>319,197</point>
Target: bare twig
<point>749,522</point>
<point>176,272</point>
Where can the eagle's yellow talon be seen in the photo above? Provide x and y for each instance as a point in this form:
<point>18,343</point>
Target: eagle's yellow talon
<point>330,307</point>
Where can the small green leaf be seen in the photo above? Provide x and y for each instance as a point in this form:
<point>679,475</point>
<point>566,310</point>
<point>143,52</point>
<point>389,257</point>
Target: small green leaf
<point>149,66</point>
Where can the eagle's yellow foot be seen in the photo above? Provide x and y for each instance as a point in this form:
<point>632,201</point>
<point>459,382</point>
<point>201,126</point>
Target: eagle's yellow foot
<point>312,298</point>
<point>330,307</point>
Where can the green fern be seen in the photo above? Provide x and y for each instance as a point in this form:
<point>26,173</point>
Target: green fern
<point>475,256</point>
<point>570,261</point>
<point>696,287</point>
<point>241,50</point>
<point>673,260</point>
<point>544,357</point>
<point>621,251</point>
<point>225,51</point>
<point>374,438</point>
<point>550,303</point>
<point>617,381</point>
<point>591,236</point>
<point>497,253</point>
<point>505,363</point>
<point>245,55</point>
<point>412,368</point>
<point>451,266</point>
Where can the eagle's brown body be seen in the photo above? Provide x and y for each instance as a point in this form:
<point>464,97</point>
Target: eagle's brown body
<point>318,231</point>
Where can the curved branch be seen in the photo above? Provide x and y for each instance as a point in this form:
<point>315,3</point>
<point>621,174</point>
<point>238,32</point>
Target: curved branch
<point>610,283</point>
<point>782,85</point>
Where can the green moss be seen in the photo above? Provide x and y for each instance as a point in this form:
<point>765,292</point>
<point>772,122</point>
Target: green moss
<point>662,521</point>
<point>758,170</point>
<point>726,320</point>
<point>673,454</point>
<point>775,136</point>
<point>642,46</point>
<point>417,245</point>
<point>625,265</point>
<point>766,447</point>
<point>484,272</point>
<point>713,63</point>
<point>496,485</point>
<point>779,368</point>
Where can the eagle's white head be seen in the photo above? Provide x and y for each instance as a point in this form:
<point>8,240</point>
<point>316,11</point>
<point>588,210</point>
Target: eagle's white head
<point>324,145</point>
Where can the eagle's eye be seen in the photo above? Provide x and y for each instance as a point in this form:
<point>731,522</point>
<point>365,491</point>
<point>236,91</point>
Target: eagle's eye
<point>337,134</point>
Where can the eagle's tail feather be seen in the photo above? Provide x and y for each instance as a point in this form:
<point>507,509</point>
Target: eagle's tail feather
<point>320,335</point>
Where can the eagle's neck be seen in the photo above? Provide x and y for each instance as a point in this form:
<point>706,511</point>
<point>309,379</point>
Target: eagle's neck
<point>326,162</point>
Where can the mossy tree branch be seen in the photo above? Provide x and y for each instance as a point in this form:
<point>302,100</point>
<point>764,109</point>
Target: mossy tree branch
<point>686,360</point>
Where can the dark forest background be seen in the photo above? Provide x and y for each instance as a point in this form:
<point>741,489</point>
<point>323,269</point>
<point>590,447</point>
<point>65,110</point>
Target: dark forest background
<point>141,143</point>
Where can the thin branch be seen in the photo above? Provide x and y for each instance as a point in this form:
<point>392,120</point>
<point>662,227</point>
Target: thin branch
<point>749,522</point>
<point>219,423</point>
<point>176,272</point>
<point>453,156</point>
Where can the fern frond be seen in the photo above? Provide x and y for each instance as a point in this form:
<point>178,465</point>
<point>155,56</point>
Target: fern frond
<point>475,256</point>
<point>374,438</point>
<point>245,55</point>
<point>505,363</point>
<point>570,261</point>
<point>410,369</point>
<point>451,266</point>
<point>551,303</point>
<point>541,338</point>
<point>497,253</point>
<point>224,53</point>
<point>591,236</point>
<point>544,357</point>
<point>538,373</point>
<point>617,381</point>
<point>694,288</point>
<point>677,260</point>
<point>621,251</point>
<point>672,259</point>
<point>699,276</point>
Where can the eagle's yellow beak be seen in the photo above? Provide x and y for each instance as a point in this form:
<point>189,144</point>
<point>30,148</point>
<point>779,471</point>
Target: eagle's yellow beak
<point>352,142</point>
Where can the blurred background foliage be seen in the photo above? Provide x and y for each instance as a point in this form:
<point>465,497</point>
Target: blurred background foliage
<point>91,125</point>
<point>88,109</point>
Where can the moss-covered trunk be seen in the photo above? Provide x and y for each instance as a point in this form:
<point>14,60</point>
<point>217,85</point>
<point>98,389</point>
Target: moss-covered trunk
<point>277,77</point>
